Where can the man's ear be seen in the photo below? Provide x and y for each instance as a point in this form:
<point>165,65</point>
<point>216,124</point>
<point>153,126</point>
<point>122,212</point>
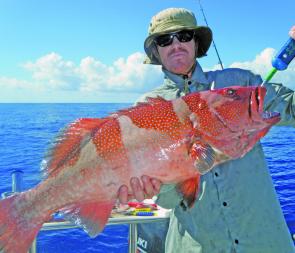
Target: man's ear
<point>198,49</point>
<point>156,54</point>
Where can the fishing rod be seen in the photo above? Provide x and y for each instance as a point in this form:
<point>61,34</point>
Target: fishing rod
<point>282,59</point>
<point>214,45</point>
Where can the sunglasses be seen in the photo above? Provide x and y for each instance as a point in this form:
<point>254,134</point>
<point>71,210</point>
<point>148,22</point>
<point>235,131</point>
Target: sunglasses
<point>167,39</point>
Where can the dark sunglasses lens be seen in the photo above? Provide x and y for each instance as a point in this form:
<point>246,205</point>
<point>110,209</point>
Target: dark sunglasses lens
<point>185,36</point>
<point>164,40</point>
<point>167,39</point>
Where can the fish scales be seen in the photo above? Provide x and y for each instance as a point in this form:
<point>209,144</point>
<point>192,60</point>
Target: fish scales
<point>174,141</point>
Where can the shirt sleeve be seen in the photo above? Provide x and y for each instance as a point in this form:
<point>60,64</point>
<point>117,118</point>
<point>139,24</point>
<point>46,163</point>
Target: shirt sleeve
<point>168,197</point>
<point>281,99</point>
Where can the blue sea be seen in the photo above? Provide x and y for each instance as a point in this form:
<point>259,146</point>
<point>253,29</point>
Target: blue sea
<point>27,130</point>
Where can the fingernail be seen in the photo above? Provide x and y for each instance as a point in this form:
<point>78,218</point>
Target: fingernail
<point>155,181</point>
<point>144,179</point>
<point>132,180</point>
<point>121,191</point>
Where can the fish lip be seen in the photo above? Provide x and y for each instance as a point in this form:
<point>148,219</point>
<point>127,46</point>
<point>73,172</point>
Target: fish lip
<point>256,101</point>
<point>256,112</point>
<point>271,117</point>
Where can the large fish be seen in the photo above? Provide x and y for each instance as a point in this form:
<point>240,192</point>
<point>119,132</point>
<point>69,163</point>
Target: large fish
<point>174,141</point>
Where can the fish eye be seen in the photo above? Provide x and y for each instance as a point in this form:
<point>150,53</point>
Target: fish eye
<point>231,92</point>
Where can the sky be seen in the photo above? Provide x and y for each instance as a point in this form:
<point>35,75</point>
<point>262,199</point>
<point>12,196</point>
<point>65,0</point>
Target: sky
<point>91,51</point>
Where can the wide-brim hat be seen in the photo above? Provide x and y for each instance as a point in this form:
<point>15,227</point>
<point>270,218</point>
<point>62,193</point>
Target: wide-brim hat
<point>172,20</point>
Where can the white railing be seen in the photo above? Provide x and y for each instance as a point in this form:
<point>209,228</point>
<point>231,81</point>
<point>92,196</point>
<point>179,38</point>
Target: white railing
<point>131,220</point>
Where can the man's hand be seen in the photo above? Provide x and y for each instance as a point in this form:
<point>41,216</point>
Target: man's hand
<point>292,32</point>
<point>147,188</point>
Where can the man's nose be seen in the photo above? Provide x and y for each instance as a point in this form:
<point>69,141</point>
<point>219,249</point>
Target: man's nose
<point>175,42</point>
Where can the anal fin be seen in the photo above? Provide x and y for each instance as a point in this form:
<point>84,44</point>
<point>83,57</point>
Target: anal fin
<point>92,217</point>
<point>189,189</point>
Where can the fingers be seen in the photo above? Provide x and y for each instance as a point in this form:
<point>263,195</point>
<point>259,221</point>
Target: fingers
<point>157,186</point>
<point>137,189</point>
<point>292,32</point>
<point>147,188</point>
<point>123,194</point>
<point>151,186</point>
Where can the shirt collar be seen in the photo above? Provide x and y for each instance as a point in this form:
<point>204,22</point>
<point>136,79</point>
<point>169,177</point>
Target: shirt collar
<point>197,82</point>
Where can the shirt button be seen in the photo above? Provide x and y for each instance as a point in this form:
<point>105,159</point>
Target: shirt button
<point>189,82</point>
<point>224,204</point>
<point>236,241</point>
<point>216,174</point>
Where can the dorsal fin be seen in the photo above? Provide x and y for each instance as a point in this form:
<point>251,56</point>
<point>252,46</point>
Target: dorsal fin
<point>155,100</point>
<point>68,144</point>
<point>150,101</point>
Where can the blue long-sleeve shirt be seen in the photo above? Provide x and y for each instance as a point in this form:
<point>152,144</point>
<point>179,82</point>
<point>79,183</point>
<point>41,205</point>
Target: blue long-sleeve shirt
<point>237,209</point>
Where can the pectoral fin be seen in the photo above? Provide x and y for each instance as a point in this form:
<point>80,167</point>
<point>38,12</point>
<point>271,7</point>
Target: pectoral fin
<point>203,155</point>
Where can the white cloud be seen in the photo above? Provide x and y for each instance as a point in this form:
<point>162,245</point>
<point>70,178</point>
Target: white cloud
<point>262,64</point>
<point>13,83</point>
<point>126,75</point>
<point>53,72</point>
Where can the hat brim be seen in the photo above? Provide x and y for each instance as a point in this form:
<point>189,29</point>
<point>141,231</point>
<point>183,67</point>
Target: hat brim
<point>203,35</point>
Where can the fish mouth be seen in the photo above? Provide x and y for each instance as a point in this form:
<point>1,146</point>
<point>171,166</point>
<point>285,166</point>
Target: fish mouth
<point>270,117</point>
<point>256,112</point>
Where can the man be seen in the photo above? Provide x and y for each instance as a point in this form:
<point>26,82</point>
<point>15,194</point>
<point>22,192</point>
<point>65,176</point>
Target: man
<point>237,209</point>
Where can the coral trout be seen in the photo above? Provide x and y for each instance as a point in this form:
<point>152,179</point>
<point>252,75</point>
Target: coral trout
<point>174,141</point>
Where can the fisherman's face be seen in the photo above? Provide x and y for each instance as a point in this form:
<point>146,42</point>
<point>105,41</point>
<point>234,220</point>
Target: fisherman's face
<point>178,57</point>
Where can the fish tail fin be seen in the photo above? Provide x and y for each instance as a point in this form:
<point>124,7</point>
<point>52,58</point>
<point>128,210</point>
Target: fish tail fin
<point>189,189</point>
<point>18,228</point>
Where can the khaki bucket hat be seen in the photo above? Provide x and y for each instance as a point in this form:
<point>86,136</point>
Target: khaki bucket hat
<point>171,20</point>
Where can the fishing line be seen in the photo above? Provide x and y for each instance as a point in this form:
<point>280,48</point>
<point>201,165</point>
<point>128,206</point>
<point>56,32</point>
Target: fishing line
<point>213,42</point>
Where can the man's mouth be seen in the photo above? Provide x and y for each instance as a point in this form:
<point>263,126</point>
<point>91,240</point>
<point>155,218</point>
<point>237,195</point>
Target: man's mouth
<point>175,53</point>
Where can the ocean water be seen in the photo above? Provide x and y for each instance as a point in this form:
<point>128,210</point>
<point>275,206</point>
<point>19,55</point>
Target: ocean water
<point>27,130</point>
